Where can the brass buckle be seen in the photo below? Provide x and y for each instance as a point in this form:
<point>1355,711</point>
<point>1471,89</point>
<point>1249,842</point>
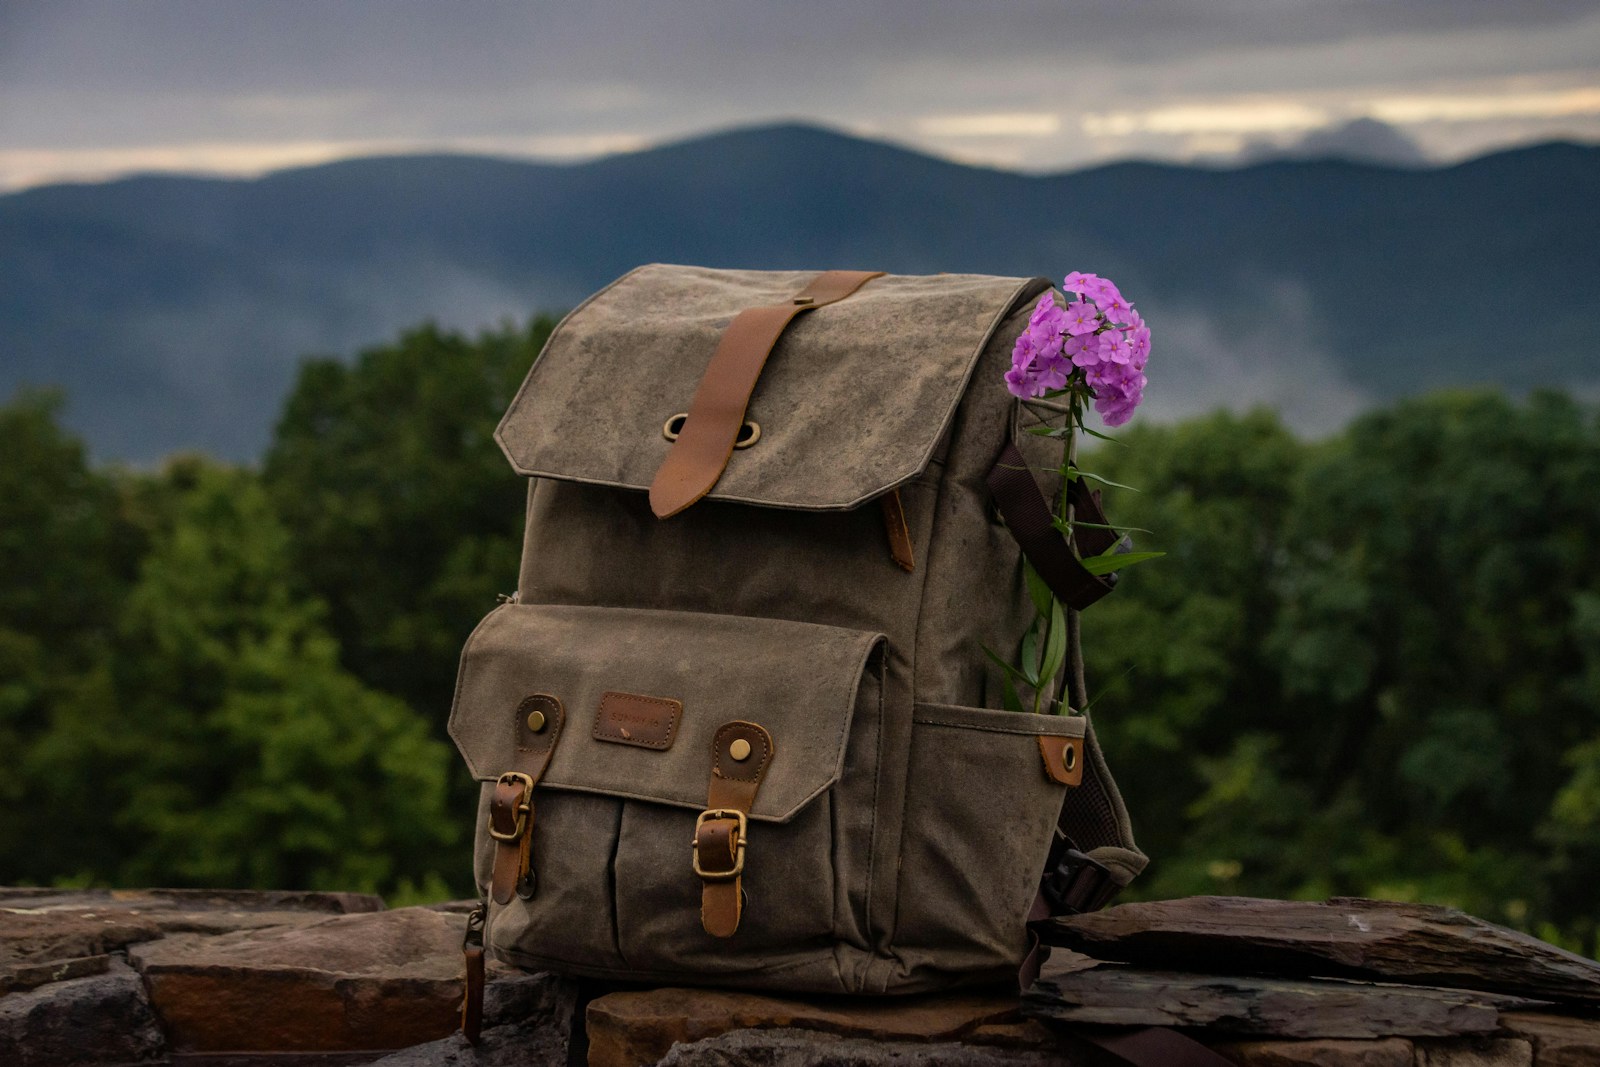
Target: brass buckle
<point>738,852</point>
<point>520,827</point>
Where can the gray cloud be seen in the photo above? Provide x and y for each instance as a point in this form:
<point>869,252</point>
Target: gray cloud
<point>89,75</point>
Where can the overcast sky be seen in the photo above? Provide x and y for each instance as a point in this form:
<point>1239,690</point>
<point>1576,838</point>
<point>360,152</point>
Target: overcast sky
<point>104,87</point>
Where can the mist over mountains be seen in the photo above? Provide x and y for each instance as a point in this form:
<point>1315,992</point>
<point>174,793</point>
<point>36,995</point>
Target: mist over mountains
<point>174,309</point>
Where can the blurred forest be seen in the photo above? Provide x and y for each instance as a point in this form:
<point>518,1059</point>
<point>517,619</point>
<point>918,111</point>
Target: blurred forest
<point>1368,665</point>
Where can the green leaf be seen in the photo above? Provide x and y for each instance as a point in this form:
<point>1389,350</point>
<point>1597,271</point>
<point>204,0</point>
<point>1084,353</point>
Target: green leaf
<point>1030,656</point>
<point>1107,564</point>
<point>1107,481</point>
<point>1118,680</point>
<point>1008,694</point>
<point>1097,433</point>
<point>1066,527</point>
<point>1037,590</point>
<point>1057,432</point>
<point>1055,650</point>
<point>1010,672</point>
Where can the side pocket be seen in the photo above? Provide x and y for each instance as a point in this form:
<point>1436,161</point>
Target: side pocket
<point>980,814</point>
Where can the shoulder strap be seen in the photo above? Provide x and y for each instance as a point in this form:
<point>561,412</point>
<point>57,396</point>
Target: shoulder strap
<point>1031,523</point>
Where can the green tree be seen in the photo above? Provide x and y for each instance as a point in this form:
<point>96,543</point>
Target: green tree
<point>405,517</point>
<point>222,744</point>
<point>66,557</point>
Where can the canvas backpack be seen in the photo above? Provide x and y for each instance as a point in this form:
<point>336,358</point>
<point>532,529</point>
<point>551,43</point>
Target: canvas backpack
<point>737,726</point>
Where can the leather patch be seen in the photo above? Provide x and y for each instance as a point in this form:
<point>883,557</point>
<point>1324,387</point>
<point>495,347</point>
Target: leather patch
<point>1063,758</point>
<point>630,719</point>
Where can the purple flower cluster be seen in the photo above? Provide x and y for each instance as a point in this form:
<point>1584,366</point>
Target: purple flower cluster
<point>1098,338</point>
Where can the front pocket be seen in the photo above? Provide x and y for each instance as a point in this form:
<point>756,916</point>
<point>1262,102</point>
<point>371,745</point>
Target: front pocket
<point>614,813</point>
<point>981,810</point>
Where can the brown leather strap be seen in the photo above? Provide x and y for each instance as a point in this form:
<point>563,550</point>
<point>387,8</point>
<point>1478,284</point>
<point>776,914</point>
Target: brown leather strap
<point>740,755</point>
<point>1028,517</point>
<point>472,1001</point>
<point>894,524</point>
<point>697,458</point>
<point>538,724</point>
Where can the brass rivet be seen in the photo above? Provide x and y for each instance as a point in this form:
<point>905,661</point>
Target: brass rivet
<point>1069,756</point>
<point>740,749</point>
<point>536,721</point>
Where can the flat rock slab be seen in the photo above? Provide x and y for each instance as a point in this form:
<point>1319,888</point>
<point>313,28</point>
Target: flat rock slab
<point>804,1048</point>
<point>1344,937</point>
<point>379,981</point>
<point>1116,995</point>
<point>151,900</point>
<point>627,1029</point>
<point>1387,1052</point>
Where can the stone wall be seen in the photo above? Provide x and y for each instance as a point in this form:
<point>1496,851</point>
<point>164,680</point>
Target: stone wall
<point>292,979</point>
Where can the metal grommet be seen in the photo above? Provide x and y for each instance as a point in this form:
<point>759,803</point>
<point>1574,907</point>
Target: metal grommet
<point>1069,756</point>
<point>674,426</point>
<point>749,434</point>
<point>740,749</point>
<point>536,720</point>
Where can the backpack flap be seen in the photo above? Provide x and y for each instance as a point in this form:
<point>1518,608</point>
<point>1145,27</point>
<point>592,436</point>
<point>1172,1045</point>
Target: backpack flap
<point>851,404</point>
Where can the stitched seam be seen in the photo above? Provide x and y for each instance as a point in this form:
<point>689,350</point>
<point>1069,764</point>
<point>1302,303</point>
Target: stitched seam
<point>990,729</point>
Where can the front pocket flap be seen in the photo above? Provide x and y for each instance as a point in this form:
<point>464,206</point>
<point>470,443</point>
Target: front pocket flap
<point>797,679</point>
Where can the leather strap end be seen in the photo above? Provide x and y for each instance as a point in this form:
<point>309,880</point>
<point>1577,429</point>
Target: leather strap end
<point>899,532</point>
<point>472,1002</point>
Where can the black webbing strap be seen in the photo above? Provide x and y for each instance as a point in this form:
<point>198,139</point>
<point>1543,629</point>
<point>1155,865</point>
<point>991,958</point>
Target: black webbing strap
<point>1028,517</point>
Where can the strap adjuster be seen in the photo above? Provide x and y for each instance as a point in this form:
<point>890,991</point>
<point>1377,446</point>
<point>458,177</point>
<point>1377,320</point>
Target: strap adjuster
<point>1075,883</point>
<point>738,844</point>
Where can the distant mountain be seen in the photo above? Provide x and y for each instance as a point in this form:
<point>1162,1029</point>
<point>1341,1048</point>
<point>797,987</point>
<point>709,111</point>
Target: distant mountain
<point>174,309</point>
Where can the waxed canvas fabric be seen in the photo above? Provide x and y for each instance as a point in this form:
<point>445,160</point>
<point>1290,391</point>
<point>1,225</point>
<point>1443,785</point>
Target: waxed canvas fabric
<point>898,840</point>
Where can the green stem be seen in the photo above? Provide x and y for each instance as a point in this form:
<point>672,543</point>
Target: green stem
<point>1074,685</point>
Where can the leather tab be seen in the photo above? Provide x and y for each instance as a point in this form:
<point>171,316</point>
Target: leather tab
<point>716,414</point>
<point>740,755</point>
<point>537,728</point>
<point>1063,758</point>
<point>894,524</point>
<point>630,719</point>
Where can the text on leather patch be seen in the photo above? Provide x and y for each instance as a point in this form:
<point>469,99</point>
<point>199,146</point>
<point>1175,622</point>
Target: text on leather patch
<point>630,719</point>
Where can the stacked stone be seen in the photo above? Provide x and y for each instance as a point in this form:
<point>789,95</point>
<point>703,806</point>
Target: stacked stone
<point>311,979</point>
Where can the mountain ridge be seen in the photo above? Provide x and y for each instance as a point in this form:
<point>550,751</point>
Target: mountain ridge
<point>175,308</point>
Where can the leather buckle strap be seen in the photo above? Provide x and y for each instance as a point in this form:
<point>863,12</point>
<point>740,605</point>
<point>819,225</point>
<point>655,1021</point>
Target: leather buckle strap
<point>705,442</point>
<point>536,729</point>
<point>715,839</point>
<point>740,755</point>
<point>513,803</point>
